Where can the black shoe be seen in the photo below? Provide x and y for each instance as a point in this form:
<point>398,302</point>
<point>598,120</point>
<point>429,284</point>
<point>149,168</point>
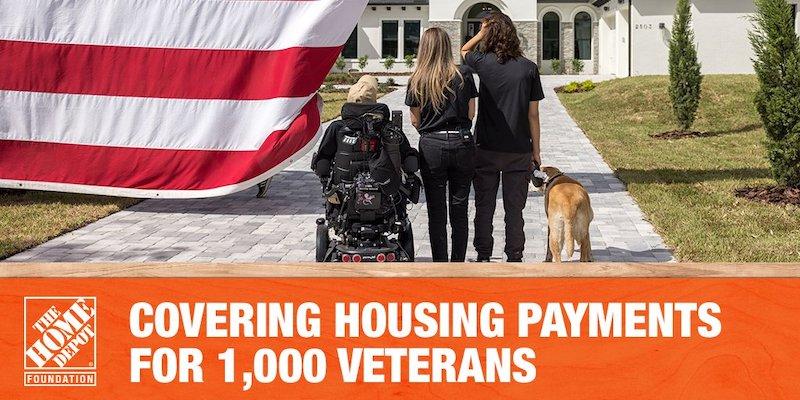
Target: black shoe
<point>483,259</point>
<point>515,260</point>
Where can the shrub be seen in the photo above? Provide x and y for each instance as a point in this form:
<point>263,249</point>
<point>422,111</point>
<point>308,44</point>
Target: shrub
<point>328,88</point>
<point>572,87</point>
<point>556,66</point>
<point>388,62</point>
<point>362,62</point>
<point>340,63</point>
<point>409,60</point>
<point>577,87</point>
<point>391,82</point>
<point>340,78</point>
<point>777,65</point>
<point>684,69</point>
<point>577,66</point>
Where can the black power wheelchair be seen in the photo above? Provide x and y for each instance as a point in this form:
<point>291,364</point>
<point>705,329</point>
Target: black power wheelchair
<point>368,173</point>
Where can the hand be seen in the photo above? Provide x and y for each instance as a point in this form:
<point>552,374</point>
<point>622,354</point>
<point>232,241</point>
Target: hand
<point>536,159</point>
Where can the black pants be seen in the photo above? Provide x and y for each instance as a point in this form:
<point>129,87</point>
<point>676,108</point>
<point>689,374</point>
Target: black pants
<point>489,167</point>
<point>446,162</point>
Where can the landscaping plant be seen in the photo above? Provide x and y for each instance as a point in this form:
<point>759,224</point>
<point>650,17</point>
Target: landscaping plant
<point>409,60</point>
<point>340,63</point>
<point>684,69</point>
<point>555,65</point>
<point>577,66</point>
<point>777,65</point>
<point>388,62</point>
<point>362,62</point>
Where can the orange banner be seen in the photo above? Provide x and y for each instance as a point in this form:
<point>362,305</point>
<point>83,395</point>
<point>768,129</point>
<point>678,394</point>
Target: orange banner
<point>405,338</point>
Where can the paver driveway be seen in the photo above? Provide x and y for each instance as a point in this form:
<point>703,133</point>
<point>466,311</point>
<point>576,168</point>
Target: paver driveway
<point>242,228</point>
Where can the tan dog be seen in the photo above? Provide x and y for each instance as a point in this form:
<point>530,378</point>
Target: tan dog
<point>569,213</point>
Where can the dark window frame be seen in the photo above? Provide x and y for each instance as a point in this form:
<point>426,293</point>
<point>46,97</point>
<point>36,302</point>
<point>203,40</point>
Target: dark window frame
<point>389,40</point>
<point>409,40</point>
<point>351,45</point>
<point>547,47</point>
<point>578,54</point>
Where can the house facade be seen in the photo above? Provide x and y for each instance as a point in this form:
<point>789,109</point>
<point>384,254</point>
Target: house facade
<point>615,37</point>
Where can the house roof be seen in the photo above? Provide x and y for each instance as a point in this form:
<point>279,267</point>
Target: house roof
<point>596,3</point>
<point>398,2</point>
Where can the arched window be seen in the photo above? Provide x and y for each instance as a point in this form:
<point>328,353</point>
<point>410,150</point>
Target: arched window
<point>583,36</point>
<point>551,35</point>
<point>473,19</point>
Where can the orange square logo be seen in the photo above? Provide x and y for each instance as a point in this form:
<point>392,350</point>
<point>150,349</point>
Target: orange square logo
<point>60,344</point>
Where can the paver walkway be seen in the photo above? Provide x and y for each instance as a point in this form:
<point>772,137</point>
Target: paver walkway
<point>242,228</point>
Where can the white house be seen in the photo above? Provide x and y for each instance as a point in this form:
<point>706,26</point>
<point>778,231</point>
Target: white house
<point>619,37</point>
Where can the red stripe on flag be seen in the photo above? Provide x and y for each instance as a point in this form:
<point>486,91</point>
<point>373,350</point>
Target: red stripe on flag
<point>150,168</point>
<point>164,73</point>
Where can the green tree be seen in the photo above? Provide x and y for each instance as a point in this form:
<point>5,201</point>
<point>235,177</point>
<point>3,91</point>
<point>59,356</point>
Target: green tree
<point>409,60</point>
<point>362,62</point>
<point>777,65</point>
<point>340,63</point>
<point>684,69</point>
<point>388,62</point>
<point>577,66</point>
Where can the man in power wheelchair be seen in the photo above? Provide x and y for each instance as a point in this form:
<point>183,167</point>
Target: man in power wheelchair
<point>368,172</point>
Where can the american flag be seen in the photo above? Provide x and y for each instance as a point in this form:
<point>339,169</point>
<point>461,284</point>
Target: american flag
<point>162,98</point>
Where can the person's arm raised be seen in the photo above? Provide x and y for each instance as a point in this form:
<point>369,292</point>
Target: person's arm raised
<point>533,120</point>
<point>472,43</point>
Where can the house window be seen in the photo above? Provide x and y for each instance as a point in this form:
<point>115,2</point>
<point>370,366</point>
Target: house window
<point>551,32</point>
<point>350,49</point>
<point>583,36</point>
<point>389,39</point>
<point>410,37</point>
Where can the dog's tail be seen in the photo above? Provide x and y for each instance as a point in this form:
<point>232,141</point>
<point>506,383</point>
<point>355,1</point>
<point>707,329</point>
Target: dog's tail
<point>569,241</point>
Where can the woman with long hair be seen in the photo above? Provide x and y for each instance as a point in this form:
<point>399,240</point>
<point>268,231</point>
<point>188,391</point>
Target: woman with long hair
<point>507,131</point>
<point>442,100</point>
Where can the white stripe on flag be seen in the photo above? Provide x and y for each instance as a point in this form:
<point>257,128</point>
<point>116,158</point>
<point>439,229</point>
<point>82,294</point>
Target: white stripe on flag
<point>197,24</point>
<point>152,123</point>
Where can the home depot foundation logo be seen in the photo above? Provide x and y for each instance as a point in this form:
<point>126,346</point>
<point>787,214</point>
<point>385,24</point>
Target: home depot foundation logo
<point>60,345</point>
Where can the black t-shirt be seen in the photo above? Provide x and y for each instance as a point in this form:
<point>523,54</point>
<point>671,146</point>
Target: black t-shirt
<point>455,113</point>
<point>506,92</point>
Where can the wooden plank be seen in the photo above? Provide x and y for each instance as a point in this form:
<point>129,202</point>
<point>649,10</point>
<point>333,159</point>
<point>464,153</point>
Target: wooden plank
<point>310,270</point>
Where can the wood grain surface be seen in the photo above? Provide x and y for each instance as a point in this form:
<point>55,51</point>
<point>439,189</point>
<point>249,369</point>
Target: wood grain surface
<point>414,270</point>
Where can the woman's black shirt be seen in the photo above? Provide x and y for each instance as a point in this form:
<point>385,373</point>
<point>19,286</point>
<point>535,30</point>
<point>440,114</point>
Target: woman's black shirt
<point>454,115</point>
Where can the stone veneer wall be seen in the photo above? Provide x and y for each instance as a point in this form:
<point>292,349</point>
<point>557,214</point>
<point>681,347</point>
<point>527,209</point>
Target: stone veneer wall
<point>528,31</point>
<point>567,42</point>
<point>529,38</point>
<point>568,47</point>
<point>453,28</point>
<point>596,47</point>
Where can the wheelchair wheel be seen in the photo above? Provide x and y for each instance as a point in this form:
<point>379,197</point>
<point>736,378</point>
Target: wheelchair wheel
<point>406,239</point>
<point>323,241</point>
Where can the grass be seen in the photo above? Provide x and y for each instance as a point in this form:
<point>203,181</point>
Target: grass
<point>30,218</point>
<point>332,104</point>
<point>685,187</point>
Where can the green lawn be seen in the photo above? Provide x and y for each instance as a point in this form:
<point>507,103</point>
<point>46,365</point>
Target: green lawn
<point>686,186</point>
<point>31,218</point>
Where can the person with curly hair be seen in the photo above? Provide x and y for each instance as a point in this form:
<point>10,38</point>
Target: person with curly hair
<point>507,131</point>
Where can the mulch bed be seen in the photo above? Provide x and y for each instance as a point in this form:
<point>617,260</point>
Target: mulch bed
<point>672,135</point>
<point>771,194</point>
<point>560,89</point>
